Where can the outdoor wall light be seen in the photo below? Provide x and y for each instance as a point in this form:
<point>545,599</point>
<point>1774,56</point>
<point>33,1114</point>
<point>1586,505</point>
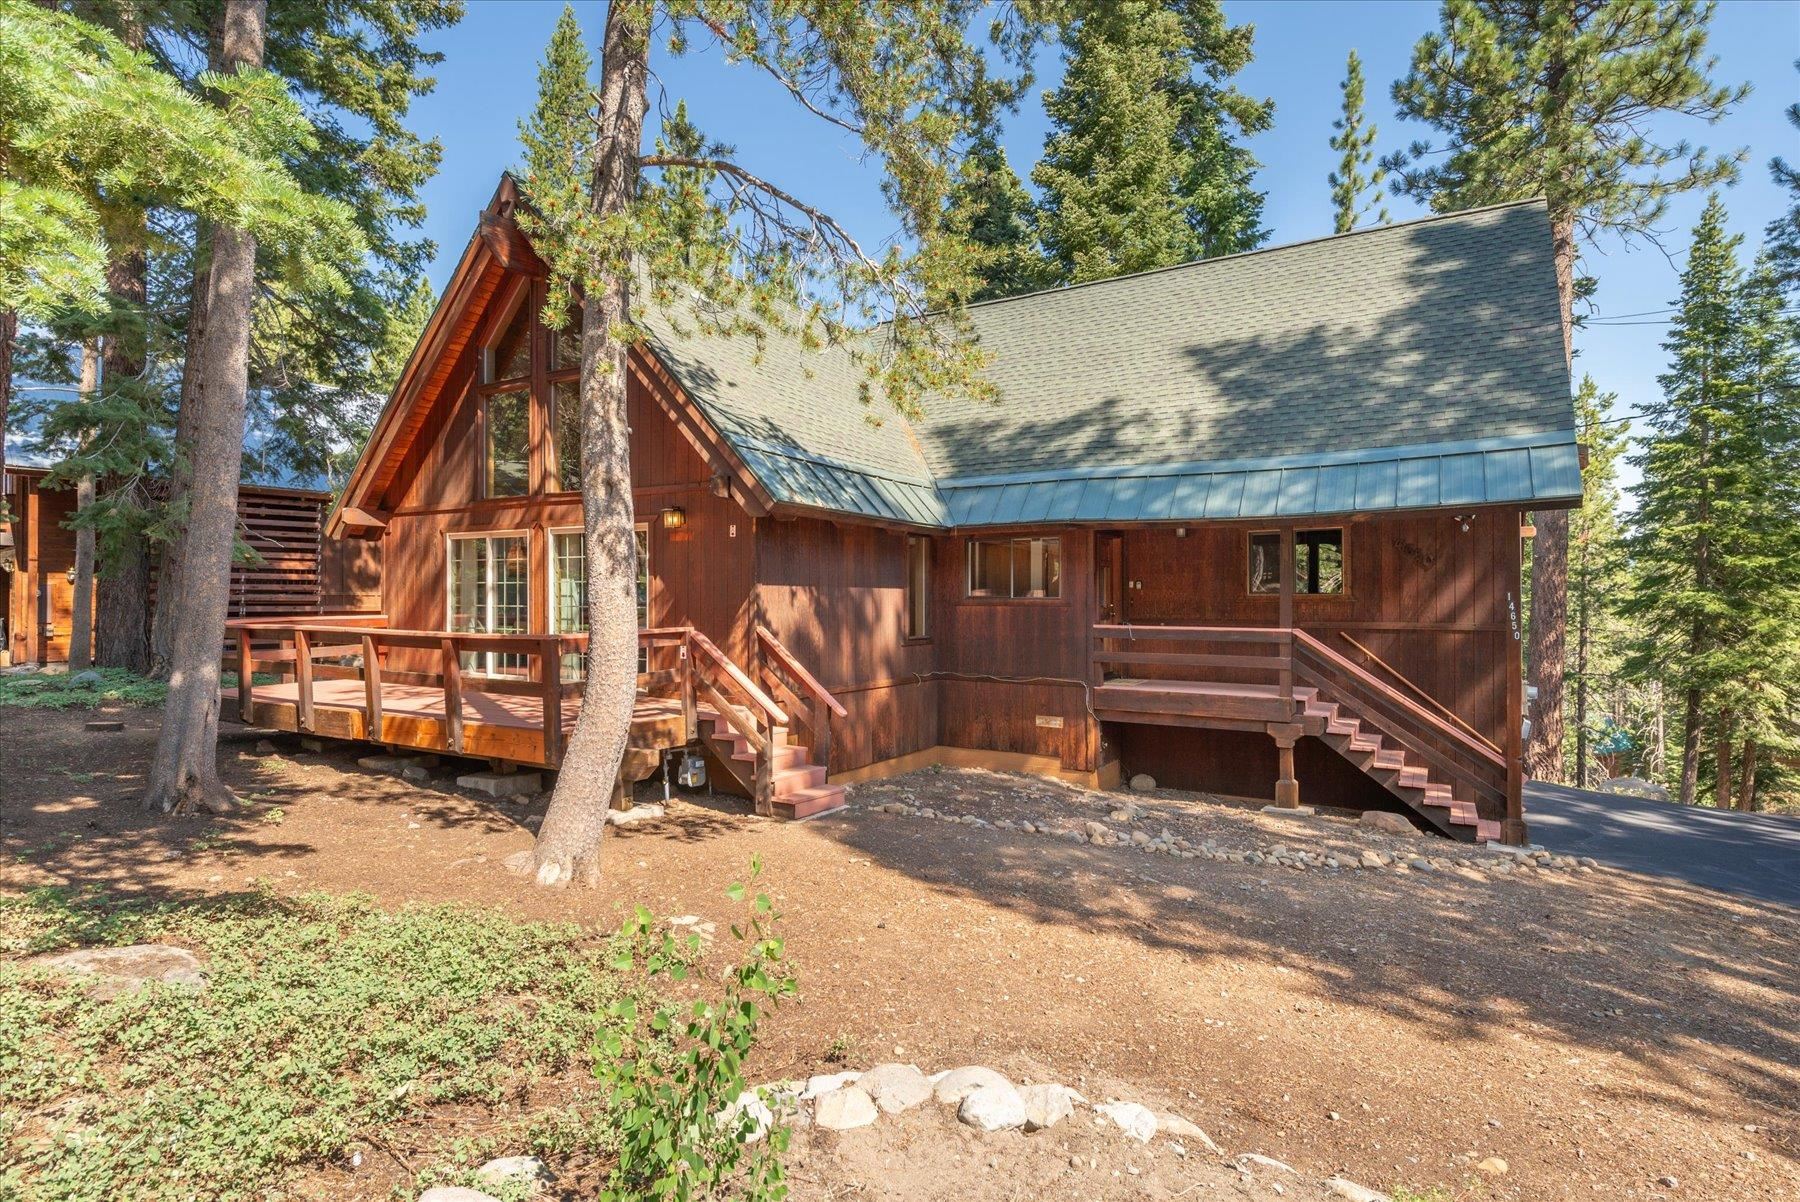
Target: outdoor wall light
<point>674,517</point>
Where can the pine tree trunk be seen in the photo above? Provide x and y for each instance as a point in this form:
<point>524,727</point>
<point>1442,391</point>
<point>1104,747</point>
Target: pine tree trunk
<point>1690,749</point>
<point>568,845</point>
<point>193,382</point>
<point>81,604</point>
<point>1746,797</point>
<point>1584,606</point>
<point>1550,564</point>
<point>122,620</point>
<point>9,334</point>
<point>1722,763</point>
<point>186,772</point>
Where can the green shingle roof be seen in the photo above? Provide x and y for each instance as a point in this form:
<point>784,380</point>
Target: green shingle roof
<point>1407,366</point>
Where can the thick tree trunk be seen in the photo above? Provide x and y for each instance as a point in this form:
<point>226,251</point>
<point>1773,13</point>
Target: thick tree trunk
<point>81,605</point>
<point>193,382</point>
<point>1722,763</point>
<point>186,772</point>
<point>1690,749</point>
<point>1550,565</point>
<point>1584,608</point>
<point>568,845</point>
<point>122,623</point>
<point>1746,797</point>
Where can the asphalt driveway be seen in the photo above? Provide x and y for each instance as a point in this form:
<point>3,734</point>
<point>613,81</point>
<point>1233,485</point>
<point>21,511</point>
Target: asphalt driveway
<point>1754,855</point>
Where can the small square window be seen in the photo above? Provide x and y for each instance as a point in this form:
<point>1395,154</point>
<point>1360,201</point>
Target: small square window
<point>1318,562</point>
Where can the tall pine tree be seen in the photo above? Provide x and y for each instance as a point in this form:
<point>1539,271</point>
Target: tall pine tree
<point>1355,195</point>
<point>1784,231</point>
<point>990,207</point>
<point>1142,167</point>
<point>1555,98</point>
<point>1597,570</point>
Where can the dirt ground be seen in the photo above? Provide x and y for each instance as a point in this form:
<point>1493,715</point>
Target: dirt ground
<point>1604,1034</point>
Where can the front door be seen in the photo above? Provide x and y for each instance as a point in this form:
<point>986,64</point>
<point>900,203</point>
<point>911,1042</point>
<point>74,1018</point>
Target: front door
<point>1109,576</point>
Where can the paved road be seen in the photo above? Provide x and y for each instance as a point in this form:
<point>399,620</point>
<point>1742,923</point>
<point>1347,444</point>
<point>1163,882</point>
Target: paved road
<point>1755,855</point>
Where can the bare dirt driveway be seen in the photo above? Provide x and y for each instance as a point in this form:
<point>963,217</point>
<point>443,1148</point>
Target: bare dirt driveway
<point>1606,1035</point>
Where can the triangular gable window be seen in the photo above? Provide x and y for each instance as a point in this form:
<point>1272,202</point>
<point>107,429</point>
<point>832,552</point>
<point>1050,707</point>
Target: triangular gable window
<point>508,357</point>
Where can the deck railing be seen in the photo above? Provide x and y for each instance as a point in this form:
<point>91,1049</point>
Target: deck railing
<point>810,703</point>
<point>1115,646</point>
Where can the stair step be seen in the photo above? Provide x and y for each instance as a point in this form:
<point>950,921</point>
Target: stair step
<point>789,781</point>
<point>1487,830</point>
<point>1390,760</point>
<point>810,802</point>
<point>791,755</point>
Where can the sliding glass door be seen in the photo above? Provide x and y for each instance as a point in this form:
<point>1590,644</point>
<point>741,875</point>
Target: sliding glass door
<point>489,593</point>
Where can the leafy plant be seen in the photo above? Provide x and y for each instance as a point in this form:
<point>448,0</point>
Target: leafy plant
<point>79,690</point>
<point>682,1135</point>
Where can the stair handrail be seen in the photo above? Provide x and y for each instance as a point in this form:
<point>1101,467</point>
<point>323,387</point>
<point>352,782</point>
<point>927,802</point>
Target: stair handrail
<point>761,700</point>
<point>794,668</point>
<point>1437,724</point>
<point>1422,695</point>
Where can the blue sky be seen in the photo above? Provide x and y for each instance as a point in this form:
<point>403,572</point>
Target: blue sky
<point>488,81</point>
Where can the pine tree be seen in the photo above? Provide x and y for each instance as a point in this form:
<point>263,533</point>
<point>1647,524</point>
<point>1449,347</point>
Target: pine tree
<point>1553,98</point>
<point>1784,231</point>
<point>1355,141</point>
<point>1692,498</point>
<point>1141,168</point>
<point>991,209</point>
<point>1596,567</point>
<point>690,231</point>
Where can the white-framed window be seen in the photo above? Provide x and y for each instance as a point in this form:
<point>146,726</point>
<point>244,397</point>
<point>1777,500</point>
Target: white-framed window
<point>1015,567</point>
<point>568,590</point>
<point>488,591</point>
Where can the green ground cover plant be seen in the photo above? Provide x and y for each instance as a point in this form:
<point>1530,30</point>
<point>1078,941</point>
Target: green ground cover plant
<point>79,690</point>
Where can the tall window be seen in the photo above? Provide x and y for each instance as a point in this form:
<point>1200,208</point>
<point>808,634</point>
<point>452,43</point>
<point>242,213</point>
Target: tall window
<point>918,586</point>
<point>565,403</point>
<point>568,591</point>
<point>1015,567</point>
<point>490,584</point>
<point>1318,562</point>
<point>506,404</point>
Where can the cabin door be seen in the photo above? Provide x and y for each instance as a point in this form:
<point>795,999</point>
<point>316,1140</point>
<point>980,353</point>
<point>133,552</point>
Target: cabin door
<point>1109,576</point>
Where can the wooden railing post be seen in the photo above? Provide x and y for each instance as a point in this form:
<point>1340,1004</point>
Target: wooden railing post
<point>453,720</point>
<point>821,722</point>
<point>765,773</point>
<point>550,677</point>
<point>303,676</point>
<point>246,678</point>
<point>690,716</point>
<point>1287,614</point>
<point>371,690</point>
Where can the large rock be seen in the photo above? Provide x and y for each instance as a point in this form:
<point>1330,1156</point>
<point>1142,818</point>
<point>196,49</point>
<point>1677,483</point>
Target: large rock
<point>1139,1122</point>
<point>455,1193</point>
<point>818,1087</point>
<point>895,1087</point>
<point>502,784</point>
<point>993,1108</point>
<point>748,1103</point>
<point>1143,782</point>
<point>507,1170</point>
<point>959,1083</point>
<point>1347,1189</point>
<point>1047,1105</point>
<point>121,970</point>
<point>1176,1127</point>
<point>1387,822</point>
<point>845,1109</point>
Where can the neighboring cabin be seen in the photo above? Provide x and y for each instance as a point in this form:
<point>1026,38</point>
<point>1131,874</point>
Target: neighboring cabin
<point>1251,525</point>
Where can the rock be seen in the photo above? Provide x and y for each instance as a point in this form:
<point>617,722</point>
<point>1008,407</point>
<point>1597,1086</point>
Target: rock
<point>89,679</point>
<point>1143,782</point>
<point>502,784</point>
<point>417,773</point>
<point>844,1109</point>
<point>1344,1188</point>
<point>895,1087</point>
<point>748,1103</point>
<point>1493,1166</point>
<point>121,970</point>
<point>959,1083</point>
<point>1385,822</point>
<point>993,1108</point>
<point>818,1087</point>
<point>638,813</point>
<point>1419,864</point>
<point>381,763</point>
<point>455,1193</point>
<point>263,747</point>
<point>1267,1162</point>
<point>1047,1105</point>
<point>109,726</point>
<point>1669,1181</point>
<point>1139,1122</point>
<point>315,746</point>
<point>1140,837</point>
<point>1176,1127</point>
<point>505,1170</point>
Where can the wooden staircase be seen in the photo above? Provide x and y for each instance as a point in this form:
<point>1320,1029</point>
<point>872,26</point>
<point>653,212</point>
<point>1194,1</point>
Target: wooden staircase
<point>1388,765</point>
<point>797,785</point>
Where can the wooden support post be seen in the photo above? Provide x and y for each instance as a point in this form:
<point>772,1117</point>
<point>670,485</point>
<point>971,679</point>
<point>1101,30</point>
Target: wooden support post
<point>453,721</point>
<point>246,678</point>
<point>303,676</point>
<point>690,718</point>
<point>821,723</point>
<point>1287,788</point>
<point>1513,831</point>
<point>371,690</point>
<point>764,784</point>
<point>550,675</point>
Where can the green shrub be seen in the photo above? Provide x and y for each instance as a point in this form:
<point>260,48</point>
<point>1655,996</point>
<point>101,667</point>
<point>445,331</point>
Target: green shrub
<point>324,1020</point>
<point>58,690</point>
<point>670,1102</point>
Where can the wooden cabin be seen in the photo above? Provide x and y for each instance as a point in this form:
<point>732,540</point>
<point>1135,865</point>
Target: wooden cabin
<point>297,570</point>
<point>1251,525</point>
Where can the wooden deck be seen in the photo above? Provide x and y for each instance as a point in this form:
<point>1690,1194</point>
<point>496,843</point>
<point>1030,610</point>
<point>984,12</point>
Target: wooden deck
<point>1199,703</point>
<point>495,725</point>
